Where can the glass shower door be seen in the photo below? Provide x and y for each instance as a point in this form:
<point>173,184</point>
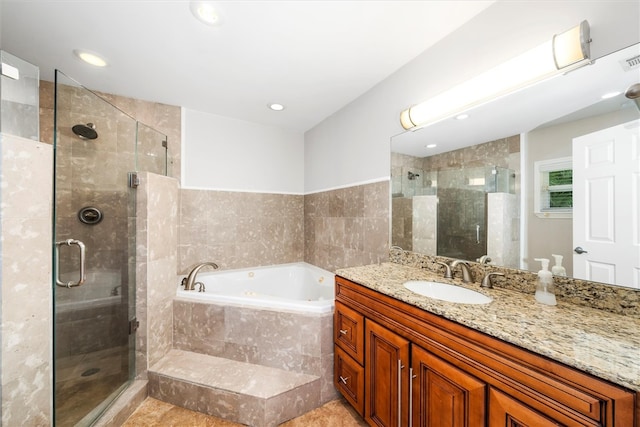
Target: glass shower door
<point>462,213</point>
<point>94,232</point>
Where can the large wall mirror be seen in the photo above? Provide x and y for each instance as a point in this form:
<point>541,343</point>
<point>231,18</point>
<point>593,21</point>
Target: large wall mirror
<point>514,181</point>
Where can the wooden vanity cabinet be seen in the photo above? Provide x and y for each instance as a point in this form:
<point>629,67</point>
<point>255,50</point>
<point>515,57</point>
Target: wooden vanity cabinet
<point>423,370</point>
<point>444,395</point>
<point>386,380</point>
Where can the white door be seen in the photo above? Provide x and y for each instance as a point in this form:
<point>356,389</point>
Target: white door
<point>606,205</point>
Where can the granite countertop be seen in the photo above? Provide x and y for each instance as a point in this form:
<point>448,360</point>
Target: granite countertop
<point>603,344</point>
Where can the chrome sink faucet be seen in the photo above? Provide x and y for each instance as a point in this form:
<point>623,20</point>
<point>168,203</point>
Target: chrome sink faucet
<point>486,282</point>
<point>189,282</point>
<point>447,270</point>
<point>484,259</point>
<point>467,276</point>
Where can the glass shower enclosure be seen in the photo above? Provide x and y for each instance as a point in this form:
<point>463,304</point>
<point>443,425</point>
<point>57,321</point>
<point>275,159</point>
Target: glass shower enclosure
<point>97,150</point>
<point>445,212</point>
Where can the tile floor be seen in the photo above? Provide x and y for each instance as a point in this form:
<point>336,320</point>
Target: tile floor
<point>152,412</point>
<point>85,380</point>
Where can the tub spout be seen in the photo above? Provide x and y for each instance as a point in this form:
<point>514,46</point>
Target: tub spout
<point>189,284</point>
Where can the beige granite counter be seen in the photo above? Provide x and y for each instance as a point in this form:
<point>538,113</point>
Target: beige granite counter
<point>603,344</point>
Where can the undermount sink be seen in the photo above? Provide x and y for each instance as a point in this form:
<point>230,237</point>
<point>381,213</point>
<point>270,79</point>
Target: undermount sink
<point>446,292</point>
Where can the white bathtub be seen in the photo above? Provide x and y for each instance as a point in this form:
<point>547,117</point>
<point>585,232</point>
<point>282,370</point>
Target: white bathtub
<point>298,287</point>
<point>101,288</point>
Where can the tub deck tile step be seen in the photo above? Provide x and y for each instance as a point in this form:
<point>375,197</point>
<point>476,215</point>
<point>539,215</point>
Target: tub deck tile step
<point>249,394</point>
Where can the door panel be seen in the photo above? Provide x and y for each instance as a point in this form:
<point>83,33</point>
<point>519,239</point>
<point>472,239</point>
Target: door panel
<point>443,395</point>
<point>93,351</point>
<point>386,377</point>
<point>606,202</point>
<point>505,411</point>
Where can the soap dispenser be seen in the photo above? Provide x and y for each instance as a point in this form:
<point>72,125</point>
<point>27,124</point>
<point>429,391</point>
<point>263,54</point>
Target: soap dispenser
<point>545,292</point>
<point>558,269</point>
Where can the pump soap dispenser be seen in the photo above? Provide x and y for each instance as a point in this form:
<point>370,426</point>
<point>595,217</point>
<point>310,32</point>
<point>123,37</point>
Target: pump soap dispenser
<point>558,269</point>
<point>545,292</point>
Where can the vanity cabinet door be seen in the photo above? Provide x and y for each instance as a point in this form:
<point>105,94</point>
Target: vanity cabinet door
<point>505,411</point>
<point>386,377</point>
<point>349,379</point>
<point>348,331</point>
<point>443,395</point>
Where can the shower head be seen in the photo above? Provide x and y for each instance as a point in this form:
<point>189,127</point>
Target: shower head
<point>87,131</point>
<point>633,93</point>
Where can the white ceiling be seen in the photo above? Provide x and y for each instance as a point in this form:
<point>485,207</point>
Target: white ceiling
<point>314,57</point>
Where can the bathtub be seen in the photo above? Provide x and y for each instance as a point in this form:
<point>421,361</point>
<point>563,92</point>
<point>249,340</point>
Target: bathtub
<point>101,288</point>
<point>297,287</point>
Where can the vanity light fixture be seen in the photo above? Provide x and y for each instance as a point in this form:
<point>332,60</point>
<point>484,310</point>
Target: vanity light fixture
<point>90,58</point>
<point>276,107</point>
<point>205,12</point>
<point>431,146</point>
<point>462,116</point>
<point>564,52</point>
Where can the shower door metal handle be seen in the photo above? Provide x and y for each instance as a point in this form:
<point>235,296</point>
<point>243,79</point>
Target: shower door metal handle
<point>478,233</point>
<point>82,277</point>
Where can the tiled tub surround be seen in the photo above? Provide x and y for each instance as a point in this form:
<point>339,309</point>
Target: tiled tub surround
<point>347,227</point>
<point>289,341</point>
<point>239,230</point>
<point>599,342</point>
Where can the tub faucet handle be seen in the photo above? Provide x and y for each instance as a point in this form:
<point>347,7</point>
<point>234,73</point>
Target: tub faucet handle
<point>189,285</point>
<point>200,286</point>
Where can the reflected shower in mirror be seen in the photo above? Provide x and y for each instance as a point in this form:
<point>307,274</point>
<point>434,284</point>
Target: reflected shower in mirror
<point>521,139</point>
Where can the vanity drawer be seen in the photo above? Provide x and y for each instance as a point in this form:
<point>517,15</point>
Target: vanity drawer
<point>349,379</point>
<point>348,331</point>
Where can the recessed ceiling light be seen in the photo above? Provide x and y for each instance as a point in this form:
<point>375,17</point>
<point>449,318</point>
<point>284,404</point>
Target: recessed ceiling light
<point>431,146</point>
<point>206,12</point>
<point>90,58</point>
<point>462,116</point>
<point>610,95</point>
<point>276,107</point>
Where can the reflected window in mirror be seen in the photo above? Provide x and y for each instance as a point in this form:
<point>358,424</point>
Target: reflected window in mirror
<point>553,188</point>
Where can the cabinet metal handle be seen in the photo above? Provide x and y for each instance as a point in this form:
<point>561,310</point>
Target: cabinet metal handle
<point>343,331</point>
<point>343,379</point>
<point>411,378</point>
<point>400,368</point>
<point>82,277</point>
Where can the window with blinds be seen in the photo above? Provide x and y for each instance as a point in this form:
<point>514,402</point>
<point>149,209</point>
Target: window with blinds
<point>553,188</point>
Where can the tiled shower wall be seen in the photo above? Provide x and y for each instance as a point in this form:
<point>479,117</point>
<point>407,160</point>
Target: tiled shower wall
<point>156,256</point>
<point>25,275</point>
<point>162,117</point>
